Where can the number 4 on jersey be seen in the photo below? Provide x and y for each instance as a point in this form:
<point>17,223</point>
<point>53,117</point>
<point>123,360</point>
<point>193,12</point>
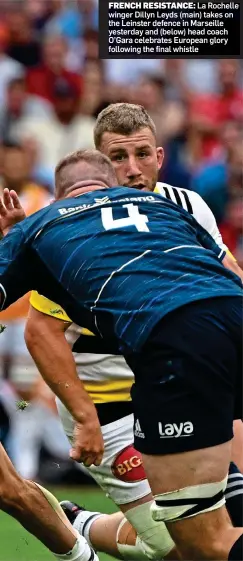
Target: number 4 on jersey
<point>134,218</point>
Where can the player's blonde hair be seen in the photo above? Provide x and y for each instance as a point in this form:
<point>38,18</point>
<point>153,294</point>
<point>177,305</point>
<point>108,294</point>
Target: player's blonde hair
<point>122,118</point>
<point>97,166</point>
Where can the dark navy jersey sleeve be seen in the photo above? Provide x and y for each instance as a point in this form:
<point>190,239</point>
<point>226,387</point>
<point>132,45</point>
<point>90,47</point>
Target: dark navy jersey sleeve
<point>15,265</point>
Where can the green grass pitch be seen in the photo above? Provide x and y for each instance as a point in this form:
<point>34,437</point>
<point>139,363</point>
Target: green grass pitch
<point>17,545</point>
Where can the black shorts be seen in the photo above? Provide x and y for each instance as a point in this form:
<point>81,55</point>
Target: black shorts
<point>188,378</point>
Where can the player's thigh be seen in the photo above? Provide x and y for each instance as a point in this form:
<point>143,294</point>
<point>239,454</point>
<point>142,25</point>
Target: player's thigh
<point>187,469</point>
<point>121,474</point>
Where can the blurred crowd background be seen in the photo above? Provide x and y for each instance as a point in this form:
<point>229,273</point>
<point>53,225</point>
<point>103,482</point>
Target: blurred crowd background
<point>52,87</point>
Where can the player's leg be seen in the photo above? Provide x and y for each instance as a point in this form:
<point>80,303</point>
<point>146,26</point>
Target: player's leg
<point>234,495</point>
<point>121,475</point>
<point>115,535</point>
<point>234,490</point>
<point>40,513</point>
<point>99,529</point>
<point>206,535</point>
<point>237,444</point>
<point>187,372</point>
<point>110,533</point>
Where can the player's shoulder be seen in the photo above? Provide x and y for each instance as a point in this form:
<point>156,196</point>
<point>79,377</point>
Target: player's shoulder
<point>33,223</point>
<point>187,199</point>
<point>164,188</point>
<point>47,307</point>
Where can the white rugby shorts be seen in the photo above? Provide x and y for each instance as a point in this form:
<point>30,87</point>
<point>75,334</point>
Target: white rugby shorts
<point>121,474</point>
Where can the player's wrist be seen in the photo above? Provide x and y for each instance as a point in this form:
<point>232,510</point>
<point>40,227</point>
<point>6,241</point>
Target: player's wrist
<point>82,407</point>
<point>86,414</point>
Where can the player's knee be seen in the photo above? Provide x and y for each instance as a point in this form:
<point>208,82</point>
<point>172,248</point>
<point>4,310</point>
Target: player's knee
<point>141,537</point>
<point>190,501</point>
<point>158,545</point>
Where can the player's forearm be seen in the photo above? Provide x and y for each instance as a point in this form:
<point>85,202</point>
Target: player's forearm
<point>55,362</point>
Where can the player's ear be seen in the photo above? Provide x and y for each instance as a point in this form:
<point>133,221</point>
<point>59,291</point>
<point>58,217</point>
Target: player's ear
<point>160,156</point>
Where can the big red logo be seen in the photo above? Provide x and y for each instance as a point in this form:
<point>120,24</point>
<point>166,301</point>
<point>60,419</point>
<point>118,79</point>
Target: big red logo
<point>128,465</point>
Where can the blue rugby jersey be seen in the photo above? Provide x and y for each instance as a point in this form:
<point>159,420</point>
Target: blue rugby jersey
<point>116,260</point>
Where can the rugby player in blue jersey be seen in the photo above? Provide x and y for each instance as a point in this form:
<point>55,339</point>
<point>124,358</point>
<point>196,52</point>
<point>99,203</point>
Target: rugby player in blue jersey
<point>161,269</point>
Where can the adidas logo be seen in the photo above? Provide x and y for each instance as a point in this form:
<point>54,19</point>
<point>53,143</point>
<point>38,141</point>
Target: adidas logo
<point>138,431</point>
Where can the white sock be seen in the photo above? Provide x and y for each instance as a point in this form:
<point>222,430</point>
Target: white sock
<point>84,521</point>
<point>81,552</point>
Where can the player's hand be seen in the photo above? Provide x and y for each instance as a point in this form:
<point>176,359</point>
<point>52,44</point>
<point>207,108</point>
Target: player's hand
<point>11,211</point>
<point>88,444</point>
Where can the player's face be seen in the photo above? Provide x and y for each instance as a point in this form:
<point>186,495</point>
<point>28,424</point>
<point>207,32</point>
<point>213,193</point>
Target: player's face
<point>136,158</point>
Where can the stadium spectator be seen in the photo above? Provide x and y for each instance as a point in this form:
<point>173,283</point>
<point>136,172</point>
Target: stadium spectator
<point>90,44</point>
<point>18,106</point>
<point>199,75</point>
<point>39,12</point>
<point>214,179</point>
<point>88,10</point>
<point>61,132</point>
<point>23,45</point>
<point>209,111</point>
<point>9,68</point>
<point>74,18</point>
<point>230,97</point>
<point>124,72</point>
<point>42,80</point>
<point>93,87</point>
<point>168,115</point>
<point>15,175</point>
<point>65,19</point>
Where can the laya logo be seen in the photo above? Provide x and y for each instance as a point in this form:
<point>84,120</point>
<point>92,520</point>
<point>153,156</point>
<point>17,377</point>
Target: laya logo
<point>172,430</point>
<point>128,465</point>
